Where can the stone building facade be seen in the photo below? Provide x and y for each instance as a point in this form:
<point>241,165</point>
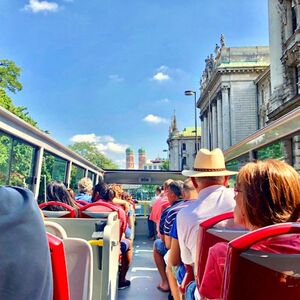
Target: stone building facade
<point>228,94</point>
<point>284,35</point>
<point>182,146</point>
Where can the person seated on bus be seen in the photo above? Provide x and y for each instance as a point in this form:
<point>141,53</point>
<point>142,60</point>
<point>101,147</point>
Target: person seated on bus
<point>267,192</point>
<point>151,224</point>
<point>175,269</point>
<point>85,188</point>
<point>130,214</point>
<point>25,264</point>
<point>102,192</point>
<point>57,191</point>
<point>159,246</point>
<point>160,204</point>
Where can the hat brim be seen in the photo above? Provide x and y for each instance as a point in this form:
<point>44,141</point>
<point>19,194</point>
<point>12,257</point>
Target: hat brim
<point>191,173</point>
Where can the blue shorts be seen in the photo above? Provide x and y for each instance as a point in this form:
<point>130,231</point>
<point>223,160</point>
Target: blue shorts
<point>124,245</point>
<point>128,232</point>
<point>160,247</point>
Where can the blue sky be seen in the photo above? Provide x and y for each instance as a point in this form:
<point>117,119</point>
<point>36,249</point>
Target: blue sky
<point>114,71</point>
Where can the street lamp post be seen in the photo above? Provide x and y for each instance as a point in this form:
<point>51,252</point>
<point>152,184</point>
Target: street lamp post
<point>191,93</point>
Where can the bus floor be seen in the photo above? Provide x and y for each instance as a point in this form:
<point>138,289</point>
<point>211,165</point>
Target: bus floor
<point>143,274</point>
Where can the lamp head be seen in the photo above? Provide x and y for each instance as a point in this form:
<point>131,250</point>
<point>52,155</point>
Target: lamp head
<point>189,93</point>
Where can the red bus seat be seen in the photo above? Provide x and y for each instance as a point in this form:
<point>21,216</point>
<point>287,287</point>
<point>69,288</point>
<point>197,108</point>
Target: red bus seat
<point>217,229</point>
<point>66,212</point>
<point>59,268</point>
<point>82,202</point>
<point>96,210</point>
<point>252,274</point>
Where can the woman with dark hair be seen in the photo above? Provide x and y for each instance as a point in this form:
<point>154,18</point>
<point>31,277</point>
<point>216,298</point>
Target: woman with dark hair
<point>57,191</point>
<point>267,193</point>
<point>102,192</point>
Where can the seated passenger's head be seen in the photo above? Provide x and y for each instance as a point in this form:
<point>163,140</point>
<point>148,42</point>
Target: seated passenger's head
<point>188,190</point>
<point>100,192</point>
<point>166,186</point>
<point>85,185</point>
<point>175,191</point>
<point>158,191</point>
<point>267,192</point>
<point>209,169</point>
<point>57,191</point>
<point>117,188</point>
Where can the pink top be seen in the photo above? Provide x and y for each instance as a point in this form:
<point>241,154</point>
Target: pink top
<point>159,205</point>
<point>214,269</point>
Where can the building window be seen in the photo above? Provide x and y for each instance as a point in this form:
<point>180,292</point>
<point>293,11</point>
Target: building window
<point>183,163</point>
<point>183,147</point>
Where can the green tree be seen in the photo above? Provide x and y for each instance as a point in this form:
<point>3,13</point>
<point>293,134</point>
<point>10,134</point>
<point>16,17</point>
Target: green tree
<point>166,165</point>
<point>90,152</point>
<point>9,81</point>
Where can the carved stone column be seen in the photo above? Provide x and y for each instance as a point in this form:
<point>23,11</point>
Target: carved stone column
<point>298,14</point>
<point>220,123</point>
<point>209,128</point>
<point>214,126</point>
<point>205,133</point>
<point>288,27</point>
<point>226,117</point>
<point>275,29</point>
<point>202,132</point>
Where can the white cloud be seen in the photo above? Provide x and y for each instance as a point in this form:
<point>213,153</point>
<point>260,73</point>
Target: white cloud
<point>154,119</point>
<point>116,77</point>
<point>91,138</point>
<point>37,6</point>
<point>105,144</point>
<point>160,76</point>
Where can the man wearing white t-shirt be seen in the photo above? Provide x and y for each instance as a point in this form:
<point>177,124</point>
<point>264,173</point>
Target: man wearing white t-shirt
<point>210,179</point>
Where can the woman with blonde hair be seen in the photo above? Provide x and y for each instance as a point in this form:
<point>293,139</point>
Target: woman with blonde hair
<point>85,188</point>
<point>267,192</point>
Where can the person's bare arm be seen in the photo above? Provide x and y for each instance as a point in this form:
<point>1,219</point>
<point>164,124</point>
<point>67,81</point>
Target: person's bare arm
<point>174,255</point>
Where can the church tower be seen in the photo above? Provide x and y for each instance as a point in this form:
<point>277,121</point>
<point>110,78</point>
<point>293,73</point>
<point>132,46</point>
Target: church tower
<point>142,158</point>
<point>129,158</point>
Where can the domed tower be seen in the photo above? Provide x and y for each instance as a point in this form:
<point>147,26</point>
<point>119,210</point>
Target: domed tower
<point>142,158</point>
<point>129,158</point>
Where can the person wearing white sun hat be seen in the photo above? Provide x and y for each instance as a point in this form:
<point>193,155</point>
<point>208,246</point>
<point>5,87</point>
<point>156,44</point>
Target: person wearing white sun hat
<point>210,177</point>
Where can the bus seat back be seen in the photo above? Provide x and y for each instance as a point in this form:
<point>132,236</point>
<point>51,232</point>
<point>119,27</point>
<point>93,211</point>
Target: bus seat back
<point>255,274</point>
<point>59,268</point>
<point>217,229</point>
<point>66,212</point>
<point>79,258</point>
<point>105,259</point>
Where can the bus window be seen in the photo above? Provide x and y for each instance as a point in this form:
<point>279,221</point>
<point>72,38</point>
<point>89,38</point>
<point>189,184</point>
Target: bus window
<point>5,152</point>
<point>53,168</point>
<point>275,150</point>
<point>22,157</point>
<point>76,174</point>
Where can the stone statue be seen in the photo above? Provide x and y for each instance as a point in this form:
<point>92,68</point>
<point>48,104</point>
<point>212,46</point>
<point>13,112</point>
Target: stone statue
<point>217,49</point>
<point>222,41</point>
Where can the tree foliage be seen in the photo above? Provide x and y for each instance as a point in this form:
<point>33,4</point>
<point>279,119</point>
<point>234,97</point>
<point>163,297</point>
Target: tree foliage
<point>90,152</point>
<point>166,165</point>
<point>9,81</point>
